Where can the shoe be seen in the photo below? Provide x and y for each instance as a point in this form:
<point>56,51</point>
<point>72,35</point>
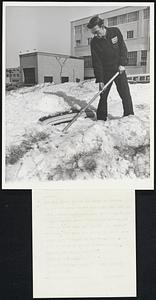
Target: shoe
<point>130,114</point>
<point>104,119</point>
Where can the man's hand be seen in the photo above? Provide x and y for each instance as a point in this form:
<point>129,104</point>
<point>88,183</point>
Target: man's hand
<point>101,86</point>
<point>121,69</point>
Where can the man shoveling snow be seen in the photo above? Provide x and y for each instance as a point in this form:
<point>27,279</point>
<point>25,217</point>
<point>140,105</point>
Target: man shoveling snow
<point>109,55</point>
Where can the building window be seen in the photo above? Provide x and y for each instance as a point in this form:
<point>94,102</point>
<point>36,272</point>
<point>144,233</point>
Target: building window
<point>64,79</point>
<point>112,21</point>
<point>143,57</point>
<point>133,16</point>
<point>78,29</point>
<point>148,78</point>
<point>78,35</point>
<point>85,27</point>
<point>48,78</point>
<point>147,13</point>
<point>89,41</point>
<point>125,18</point>
<point>78,42</point>
<point>87,61</point>
<point>132,58</point>
<point>130,34</point>
<point>122,19</point>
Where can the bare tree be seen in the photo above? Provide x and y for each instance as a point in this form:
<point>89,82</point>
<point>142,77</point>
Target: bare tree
<point>61,62</point>
<point>73,74</point>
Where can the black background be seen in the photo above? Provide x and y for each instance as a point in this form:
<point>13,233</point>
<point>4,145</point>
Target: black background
<point>16,245</point>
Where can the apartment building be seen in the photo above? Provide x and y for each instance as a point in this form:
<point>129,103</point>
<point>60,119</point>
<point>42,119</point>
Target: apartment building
<point>39,67</point>
<point>134,23</point>
<point>13,75</point>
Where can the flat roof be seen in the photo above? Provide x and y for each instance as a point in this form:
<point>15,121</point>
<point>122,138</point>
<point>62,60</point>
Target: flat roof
<point>95,14</point>
<point>50,54</point>
<point>108,11</point>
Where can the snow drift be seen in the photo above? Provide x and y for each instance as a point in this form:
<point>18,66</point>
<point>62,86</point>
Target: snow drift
<point>118,148</point>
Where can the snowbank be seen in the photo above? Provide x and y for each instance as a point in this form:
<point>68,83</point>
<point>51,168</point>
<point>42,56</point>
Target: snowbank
<point>118,148</point>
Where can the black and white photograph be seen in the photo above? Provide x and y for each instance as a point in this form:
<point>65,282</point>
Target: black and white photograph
<point>78,95</point>
<point>77,203</point>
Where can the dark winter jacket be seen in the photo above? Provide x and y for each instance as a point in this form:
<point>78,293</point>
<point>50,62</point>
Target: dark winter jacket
<point>108,52</point>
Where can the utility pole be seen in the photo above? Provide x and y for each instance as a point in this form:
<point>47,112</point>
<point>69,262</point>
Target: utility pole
<point>73,75</point>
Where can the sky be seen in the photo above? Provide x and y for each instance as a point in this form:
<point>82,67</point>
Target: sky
<point>45,28</point>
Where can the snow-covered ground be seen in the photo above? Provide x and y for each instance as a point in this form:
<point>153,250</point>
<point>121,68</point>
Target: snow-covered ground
<point>118,148</point>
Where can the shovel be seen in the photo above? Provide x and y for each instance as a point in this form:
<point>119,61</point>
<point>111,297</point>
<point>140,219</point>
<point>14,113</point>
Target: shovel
<point>91,101</point>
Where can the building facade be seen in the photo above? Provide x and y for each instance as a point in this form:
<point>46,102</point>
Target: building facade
<point>39,67</point>
<point>13,75</point>
<point>134,23</point>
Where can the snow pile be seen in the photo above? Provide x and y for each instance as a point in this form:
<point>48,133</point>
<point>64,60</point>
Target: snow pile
<point>118,148</point>
<point>24,107</point>
<point>52,103</point>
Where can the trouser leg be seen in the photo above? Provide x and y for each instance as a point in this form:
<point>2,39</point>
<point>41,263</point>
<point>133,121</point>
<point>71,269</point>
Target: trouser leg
<point>124,92</point>
<point>102,106</point>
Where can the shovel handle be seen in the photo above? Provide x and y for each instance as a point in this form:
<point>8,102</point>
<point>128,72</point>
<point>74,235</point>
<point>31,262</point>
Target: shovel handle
<point>91,101</point>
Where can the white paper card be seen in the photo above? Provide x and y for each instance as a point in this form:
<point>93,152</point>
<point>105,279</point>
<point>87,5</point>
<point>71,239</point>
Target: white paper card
<point>84,243</point>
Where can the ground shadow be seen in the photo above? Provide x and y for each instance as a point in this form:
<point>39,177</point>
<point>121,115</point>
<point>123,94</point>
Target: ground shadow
<point>111,117</point>
<point>72,101</point>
